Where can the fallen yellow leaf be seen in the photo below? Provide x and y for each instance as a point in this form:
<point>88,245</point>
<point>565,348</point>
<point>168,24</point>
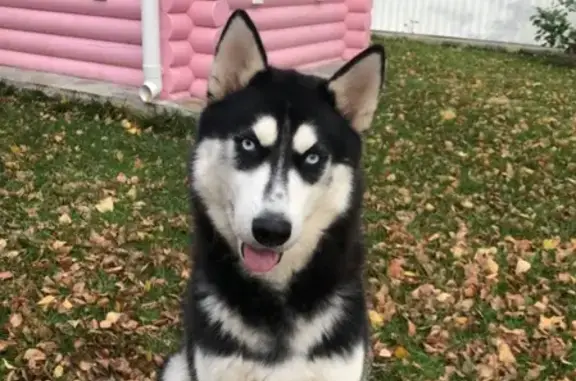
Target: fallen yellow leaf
<point>58,371</point>
<point>551,323</point>
<point>132,193</point>
<point>376,319</point>
<point>66,304</point>
<point>444,297</point>
<point>461,320</point>
<point>105,205</point>
<point>46,300</point>
<point>111,319</point>
<point>505,354</point>
<point>126,124</point>
<point>401,353</point>
<point>134,131</point>
<point>485,372</point>
<point>550,244</point>
<point>491,266</point>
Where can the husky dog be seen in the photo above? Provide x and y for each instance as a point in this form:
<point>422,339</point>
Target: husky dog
<point>276,291</point>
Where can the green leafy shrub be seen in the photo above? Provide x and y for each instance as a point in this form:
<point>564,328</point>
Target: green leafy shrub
<point>554,27</point>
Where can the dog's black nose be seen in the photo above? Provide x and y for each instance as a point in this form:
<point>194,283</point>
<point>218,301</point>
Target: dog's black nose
<point>271,230</point>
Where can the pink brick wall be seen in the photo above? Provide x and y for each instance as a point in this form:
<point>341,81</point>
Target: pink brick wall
<point>296,33</point>
<point>90,39</point>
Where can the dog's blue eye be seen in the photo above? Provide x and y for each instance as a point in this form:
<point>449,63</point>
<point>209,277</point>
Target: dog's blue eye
<point>312,159</point>
<point>248,145</point>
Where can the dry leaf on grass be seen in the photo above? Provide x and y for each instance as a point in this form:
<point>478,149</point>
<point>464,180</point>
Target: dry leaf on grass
<point>34,354</point>
<point>121,178</point>
<point>448,114</point>
<point>505,354</point>
<point>551,323</point>
<point>65,219</point>
<point>16,320</point>
<point>376,319</point>
<point>400,352</point>
<point>4,344</point>
<point>105,205</point>
<point>411,329</point>
<point>111,319</point>
<point>384,353</point>
<point>522,267</point>
<point>58,371</point>
<point>5,275</point>
<point>48,299</point>
<point>550,244</point>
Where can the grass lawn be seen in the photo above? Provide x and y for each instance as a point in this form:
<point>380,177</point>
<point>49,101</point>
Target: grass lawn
<point>470,216</point>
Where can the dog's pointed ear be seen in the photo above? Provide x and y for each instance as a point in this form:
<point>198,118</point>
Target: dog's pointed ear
<point>356,86</point>
<point>239,56</point>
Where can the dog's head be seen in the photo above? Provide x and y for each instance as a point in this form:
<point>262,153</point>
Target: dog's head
<point>277,151</point>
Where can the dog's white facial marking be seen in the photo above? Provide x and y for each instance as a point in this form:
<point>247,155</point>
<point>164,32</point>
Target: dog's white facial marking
<point>248,189</point>
<point>304,138</point>
<point>311,209</point>
<point>235,368</point>
<point>176,368</point>
<point>232,323</point>
<point>266,130</point>
<point>211,168</point>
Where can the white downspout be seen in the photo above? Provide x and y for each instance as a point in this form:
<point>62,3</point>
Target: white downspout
<point>151,62</point>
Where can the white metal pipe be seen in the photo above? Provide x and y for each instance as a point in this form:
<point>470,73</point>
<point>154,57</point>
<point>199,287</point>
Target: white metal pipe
<point>151,59</point>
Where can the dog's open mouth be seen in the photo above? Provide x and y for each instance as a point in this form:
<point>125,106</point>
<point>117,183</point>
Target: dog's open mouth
<point>259,260</point>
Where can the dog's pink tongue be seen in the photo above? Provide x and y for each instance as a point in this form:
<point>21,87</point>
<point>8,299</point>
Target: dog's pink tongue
<point>260,260</point>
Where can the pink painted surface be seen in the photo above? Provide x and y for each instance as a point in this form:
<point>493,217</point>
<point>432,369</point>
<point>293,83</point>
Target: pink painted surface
<point>102,40</point>
<point>123,9</point>
<point>107,73</point>
<point>296,34</point>
<point>109,53</point>
<point>99,40</point>
<point>96,28</point>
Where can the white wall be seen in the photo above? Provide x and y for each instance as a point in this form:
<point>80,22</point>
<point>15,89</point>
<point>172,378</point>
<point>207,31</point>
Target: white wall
<point>493,20</point>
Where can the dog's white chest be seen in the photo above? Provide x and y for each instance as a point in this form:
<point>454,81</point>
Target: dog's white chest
<point>214,368</point>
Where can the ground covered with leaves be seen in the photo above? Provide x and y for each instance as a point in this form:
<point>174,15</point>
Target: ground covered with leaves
<point>470,218</point>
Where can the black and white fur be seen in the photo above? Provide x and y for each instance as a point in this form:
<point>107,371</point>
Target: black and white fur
<point>282,148</point>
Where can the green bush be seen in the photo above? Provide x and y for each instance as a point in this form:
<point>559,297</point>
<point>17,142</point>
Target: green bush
<point>554,28</point>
